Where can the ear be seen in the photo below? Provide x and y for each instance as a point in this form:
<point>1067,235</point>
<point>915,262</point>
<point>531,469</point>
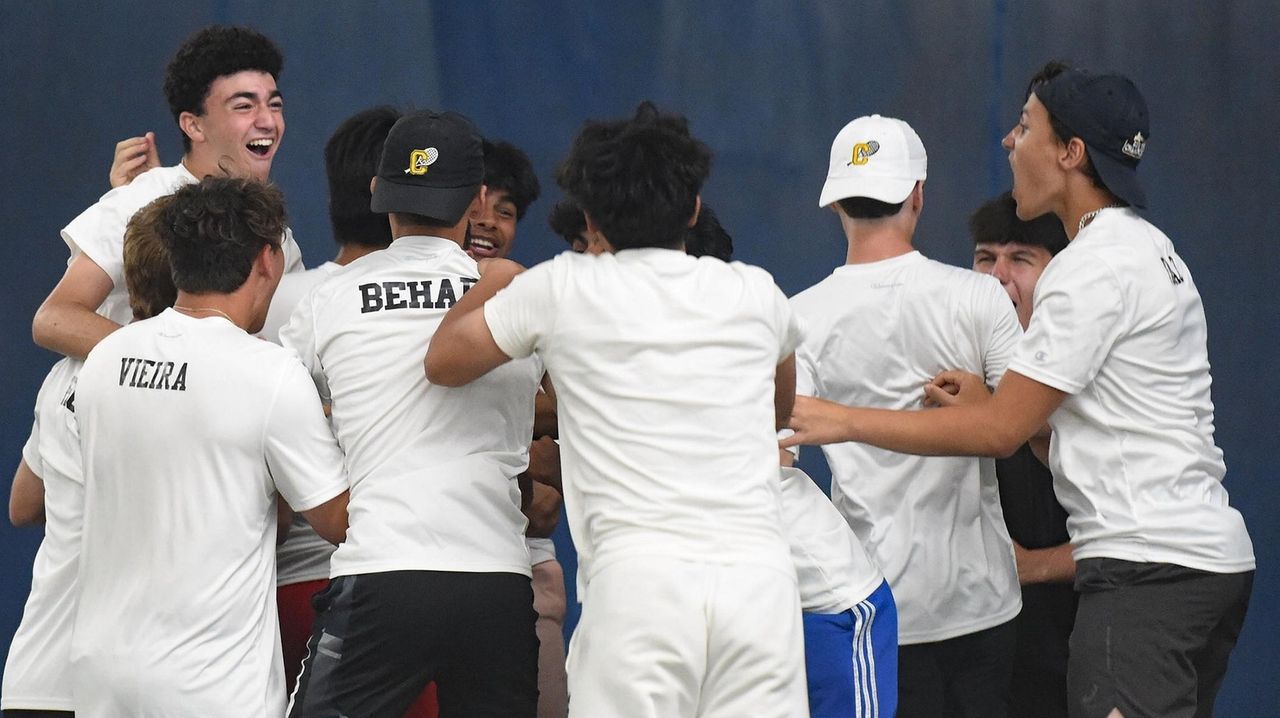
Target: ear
<point>373,183</point>
<point>1073,155</point>
<point>917,197</point>
<point>697,209</point>
<point>190,125</point>
<point>263,263</point>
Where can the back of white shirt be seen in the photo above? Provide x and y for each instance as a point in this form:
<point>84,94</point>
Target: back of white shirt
<point>874,335</point>
<point>37,672</point>
<point>433,469</point>
<point>1119,326</point>
<point>664,369</point>
<point>188,428</point>
<point>834,570</point>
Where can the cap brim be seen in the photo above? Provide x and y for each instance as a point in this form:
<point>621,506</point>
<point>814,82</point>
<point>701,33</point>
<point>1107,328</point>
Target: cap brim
<point>883,189</point>
<point>444,204</point>
<point>1120,178</point>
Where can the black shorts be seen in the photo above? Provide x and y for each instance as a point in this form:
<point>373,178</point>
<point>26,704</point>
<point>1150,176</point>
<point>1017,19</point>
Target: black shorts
<point>1152,639</point>
<point>380,637</point>
<point>962,677</point>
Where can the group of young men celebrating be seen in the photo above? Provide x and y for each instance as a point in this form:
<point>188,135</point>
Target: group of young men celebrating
<point>423,403</point>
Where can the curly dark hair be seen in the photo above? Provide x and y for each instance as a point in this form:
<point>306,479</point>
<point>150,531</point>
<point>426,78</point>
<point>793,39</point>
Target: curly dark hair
<point>214,229</point>
<point>567,221</point>
<point>508,169</point>
<point>213,52</point>
<point>639,178</point>
<point>351,159</point>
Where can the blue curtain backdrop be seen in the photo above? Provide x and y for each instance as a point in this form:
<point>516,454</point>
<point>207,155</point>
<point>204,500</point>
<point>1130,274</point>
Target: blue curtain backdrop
<point>765,84</point>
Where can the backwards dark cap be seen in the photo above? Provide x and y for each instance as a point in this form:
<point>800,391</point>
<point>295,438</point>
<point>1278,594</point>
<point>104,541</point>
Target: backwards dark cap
<point>432,165</point>
<point>1108,113</point>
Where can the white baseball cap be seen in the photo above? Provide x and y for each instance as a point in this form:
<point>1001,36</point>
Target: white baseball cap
<point>877,157</point>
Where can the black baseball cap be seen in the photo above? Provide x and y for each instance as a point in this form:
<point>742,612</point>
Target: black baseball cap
<point>1108,113</point>
<point>432,165</point>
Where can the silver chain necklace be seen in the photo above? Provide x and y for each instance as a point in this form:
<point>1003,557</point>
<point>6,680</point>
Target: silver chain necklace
<point>1089,216</point>
<point>189,310</point>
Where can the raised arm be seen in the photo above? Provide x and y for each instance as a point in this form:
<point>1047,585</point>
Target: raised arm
<point>996,426</point>
<point>67,322</point>
<point>462,349</point>
<point>133,157</point>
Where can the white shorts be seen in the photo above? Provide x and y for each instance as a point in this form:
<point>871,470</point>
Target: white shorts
<point>667,638</point>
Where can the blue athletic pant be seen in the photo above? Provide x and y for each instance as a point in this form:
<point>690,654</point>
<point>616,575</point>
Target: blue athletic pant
<point>852,659</point>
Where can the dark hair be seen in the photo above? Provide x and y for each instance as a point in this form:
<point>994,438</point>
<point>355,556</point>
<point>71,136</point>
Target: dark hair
<point>707,238</point>
<point>1061,132</point>
<point>215,229</point>
<point>350,160</point>
<point>996,222</point>
<point>213,52</point>
<point>867,208</point>
<point>147,274</point>
<point>508,169</point>
<point>639,178</point>
<point>567,220</point>
<point>422,220</point>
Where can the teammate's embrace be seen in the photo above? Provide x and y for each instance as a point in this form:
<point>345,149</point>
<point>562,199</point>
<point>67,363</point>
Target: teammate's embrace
<point>188,427</point>
<point>672,375</point>
<point>433,580</point>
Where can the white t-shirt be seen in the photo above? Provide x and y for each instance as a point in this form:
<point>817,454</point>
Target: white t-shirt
<point>664,368</point>
<point>304,555</point>
<point>433,468</point>
<point>37,673</point>
<point>834,570</point>
<point>1119,326</point>
<point>874,335</point>
<point>189,427</point>
<point>98,232</point>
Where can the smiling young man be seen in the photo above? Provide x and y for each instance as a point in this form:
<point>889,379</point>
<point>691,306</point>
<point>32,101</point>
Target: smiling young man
<point>221,88</point>
<point>1115,359</point>
<point>510,187</point>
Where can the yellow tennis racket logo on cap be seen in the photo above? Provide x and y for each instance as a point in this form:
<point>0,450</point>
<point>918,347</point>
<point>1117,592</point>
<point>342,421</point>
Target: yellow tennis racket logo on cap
<point>420,160</point>
<point>862,152</point>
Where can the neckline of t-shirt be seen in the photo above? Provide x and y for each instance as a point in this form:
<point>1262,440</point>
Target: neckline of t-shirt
<point>890,263</point>
<point>1105,217</point>
<point>648,254</point>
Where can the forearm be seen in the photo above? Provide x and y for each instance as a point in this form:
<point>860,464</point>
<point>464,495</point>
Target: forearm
<point>1045,565</point>
<point>931,432</point>
<point>69,329</point>
<point>26,497</point>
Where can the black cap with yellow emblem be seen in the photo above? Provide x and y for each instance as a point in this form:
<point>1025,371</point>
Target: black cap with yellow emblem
<point>432,165</point>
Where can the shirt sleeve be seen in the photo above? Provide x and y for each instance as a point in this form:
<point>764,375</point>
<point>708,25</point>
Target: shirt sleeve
<point>1001,328</point>
<point>31,449</point>
<point>299,335</point>
<point>303,456</point>
<point>292,253</point>
<point>98,232</point>
<point>1076,321</point>
<point>521,315</point>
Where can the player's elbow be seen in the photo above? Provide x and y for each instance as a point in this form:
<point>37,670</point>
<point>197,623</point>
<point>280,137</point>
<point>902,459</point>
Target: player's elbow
<point>442,369</point>
<point>330,519</point>
<point>42,326</point>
